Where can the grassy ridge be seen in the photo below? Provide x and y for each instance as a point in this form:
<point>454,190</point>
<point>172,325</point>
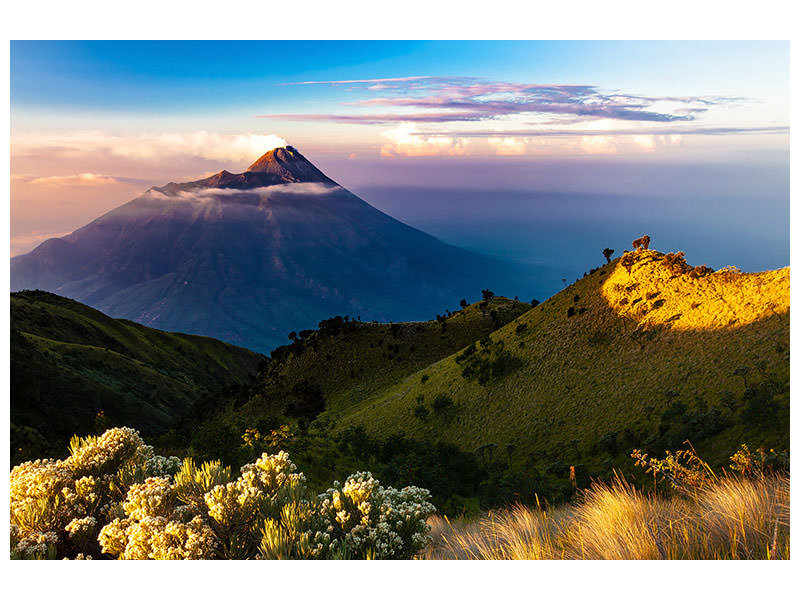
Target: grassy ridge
<point>70,362</point>
<point>624,357</point>
<point>349,362</point>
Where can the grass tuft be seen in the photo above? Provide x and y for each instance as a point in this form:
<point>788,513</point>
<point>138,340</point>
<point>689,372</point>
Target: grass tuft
<point>733,517</point>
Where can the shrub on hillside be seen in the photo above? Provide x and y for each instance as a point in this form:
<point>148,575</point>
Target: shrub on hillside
<point>628,259</point>
<point>700,271</point>
<point>441,403</point>
<point>676,263</point>
<point>490,365</point>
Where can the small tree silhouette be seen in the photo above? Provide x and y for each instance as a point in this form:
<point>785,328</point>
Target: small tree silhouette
<point>642,243</point>
<point>487,294</point>
<point>463,303</point>
<point>608,253</point>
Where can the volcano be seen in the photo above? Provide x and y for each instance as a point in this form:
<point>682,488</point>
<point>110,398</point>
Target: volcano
<point>249,257</point>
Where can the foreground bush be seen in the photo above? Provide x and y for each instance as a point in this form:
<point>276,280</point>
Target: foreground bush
<point>112,497</point>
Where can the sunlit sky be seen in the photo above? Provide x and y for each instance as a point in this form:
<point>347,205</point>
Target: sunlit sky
<point>93,124</point>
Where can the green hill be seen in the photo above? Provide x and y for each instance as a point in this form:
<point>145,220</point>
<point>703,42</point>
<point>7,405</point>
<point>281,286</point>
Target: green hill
<point>328,371</point>
<point>346,362</point>
<point>74,369</point>
<point>497,401</point>
<point>643,352</point>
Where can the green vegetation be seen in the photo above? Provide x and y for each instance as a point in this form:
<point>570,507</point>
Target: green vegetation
<point>503,401</point>
<point>75,370</point>
<point>627,357</point>
<point>330,369</point>
<point>648,358</point>
<point>113,497</point>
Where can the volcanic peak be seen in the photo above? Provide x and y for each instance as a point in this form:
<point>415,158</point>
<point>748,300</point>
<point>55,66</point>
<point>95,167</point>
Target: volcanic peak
<point>278,166</point>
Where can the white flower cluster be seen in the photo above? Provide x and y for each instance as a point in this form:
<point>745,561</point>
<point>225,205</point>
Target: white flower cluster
<point>238,502</point>
<point>367,520</point>
<point>108,451</point>
<point>58,505</point>
<point>36,545</point>
<point>159,466</point>
<point>81,527</point>
<point>152,498</point>
<point>115,484</point>
<point>158,538</point>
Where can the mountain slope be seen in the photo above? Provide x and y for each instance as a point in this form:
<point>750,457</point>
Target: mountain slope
<point>343,362</point>
<point>70,362</point>
<point>248,257</point>
<point>635,356</point>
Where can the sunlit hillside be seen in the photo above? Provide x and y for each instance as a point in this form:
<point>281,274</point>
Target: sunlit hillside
<point>639,353</point>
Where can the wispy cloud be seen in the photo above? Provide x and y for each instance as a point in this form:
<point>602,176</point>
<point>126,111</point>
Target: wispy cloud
<point>424,99</point>
<point>79,179</point>
<point>381,80</point>
<point>305,188</point>
<point>606,132</point>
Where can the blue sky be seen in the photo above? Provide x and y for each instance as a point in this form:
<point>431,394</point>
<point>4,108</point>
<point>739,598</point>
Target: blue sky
<point>95,123</point>
<point>236,80</point>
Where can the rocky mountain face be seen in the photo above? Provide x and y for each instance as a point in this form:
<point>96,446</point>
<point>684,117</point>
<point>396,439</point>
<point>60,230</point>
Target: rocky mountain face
<point>249,257</point>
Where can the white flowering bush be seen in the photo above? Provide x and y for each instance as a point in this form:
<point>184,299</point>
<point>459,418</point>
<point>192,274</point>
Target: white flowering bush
<point>58,506</point>
<point>366,520</point>
<point>113,497</point>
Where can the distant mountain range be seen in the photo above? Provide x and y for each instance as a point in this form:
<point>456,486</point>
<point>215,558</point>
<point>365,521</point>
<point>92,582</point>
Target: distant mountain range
<point>249,257</point>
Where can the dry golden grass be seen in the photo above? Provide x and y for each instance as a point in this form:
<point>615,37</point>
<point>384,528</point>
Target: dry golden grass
<point>730,518</point>
<point>650,295</point>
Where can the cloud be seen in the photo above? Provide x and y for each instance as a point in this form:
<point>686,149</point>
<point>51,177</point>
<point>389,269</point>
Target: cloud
<point>305,188</point>
<point>598,144</point>
<point>464,99</point>
<point>374,119</point>
<point>404,142</point>
<point>507,146</point>
<point>663,131</point>
<point>150,146</point>
<point>357,81</point>
<point>92,179</point>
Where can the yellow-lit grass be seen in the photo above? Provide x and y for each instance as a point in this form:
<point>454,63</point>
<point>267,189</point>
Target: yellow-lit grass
<point>725,299</point>
<point>730,518</point>
<point>519,534</point>
<point>747,518</point>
